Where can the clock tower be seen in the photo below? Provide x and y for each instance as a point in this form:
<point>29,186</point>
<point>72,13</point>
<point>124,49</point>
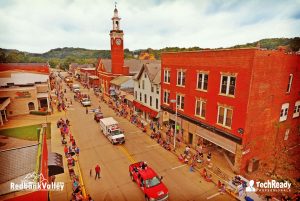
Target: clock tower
<point>116,44</point>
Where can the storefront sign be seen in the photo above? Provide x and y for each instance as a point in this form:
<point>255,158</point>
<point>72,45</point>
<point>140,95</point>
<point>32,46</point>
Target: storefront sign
<point>23,94</point>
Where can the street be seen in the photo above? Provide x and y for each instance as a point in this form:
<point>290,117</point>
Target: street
<point>115,183</point>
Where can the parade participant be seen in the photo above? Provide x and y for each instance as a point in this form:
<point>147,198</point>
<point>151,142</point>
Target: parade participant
<point>97,171</point>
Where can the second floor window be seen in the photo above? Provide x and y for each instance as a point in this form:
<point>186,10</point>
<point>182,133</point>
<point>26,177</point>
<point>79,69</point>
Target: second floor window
<point>166,76</point>
<point>202,81</point>
<point>200,108</point>
<point>140,96</point>
<point>180,77</point>
<point>284,111</point>
<point>145,98</point>
<point>289,83</point>
<point>180,101</point>
<point>150,101</point>
<point>166,97</point>
<point>143,86</point>
<point>152,88</point>
<point>139,85</point>
<point>225,116</point>
<point>297,109</point>
<point>228,85</point>
<point>156,103</point>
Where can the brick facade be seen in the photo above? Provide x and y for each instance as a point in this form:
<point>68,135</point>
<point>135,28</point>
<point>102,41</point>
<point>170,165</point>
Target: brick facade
<point>261,79</point>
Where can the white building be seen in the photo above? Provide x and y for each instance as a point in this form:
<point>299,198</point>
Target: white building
<point>147,91</point>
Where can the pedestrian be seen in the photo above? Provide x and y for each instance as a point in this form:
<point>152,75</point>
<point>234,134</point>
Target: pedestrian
<point>77,151</point>
<point>66,150</point>
<point>91,172</point>
<point>86,110</point>
<point>97,171</point>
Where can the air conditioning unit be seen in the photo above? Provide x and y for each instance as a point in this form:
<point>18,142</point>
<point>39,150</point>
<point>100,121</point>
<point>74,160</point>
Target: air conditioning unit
<point>253,165</point>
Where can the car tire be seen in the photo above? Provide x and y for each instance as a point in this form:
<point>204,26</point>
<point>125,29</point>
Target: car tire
<point>146,198</point>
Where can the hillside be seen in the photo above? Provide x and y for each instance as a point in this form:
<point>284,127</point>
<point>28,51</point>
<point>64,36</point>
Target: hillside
<point>62,57</point>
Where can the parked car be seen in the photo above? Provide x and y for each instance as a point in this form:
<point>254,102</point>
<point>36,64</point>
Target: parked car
<point>98,116</point>
<point>86,102</point>
<point>148,181</point>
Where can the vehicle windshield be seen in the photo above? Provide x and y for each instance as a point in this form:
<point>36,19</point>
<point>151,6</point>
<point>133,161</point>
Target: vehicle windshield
<point>116,132</point>
<point>152,182</point>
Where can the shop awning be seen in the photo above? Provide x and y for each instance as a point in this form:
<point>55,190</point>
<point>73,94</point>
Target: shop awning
<point>4,102</point>
<point>217,139</point>
<point>42,95</point>
<point>129,97</point>
<point>55,164</point>
<point>144,108</point>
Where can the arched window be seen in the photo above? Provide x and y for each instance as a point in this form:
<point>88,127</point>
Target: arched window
<point>31,106</point>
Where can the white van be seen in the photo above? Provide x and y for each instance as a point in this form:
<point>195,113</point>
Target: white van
<point>110,128</point>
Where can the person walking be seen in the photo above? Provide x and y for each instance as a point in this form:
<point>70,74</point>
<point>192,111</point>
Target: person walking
<point>86,110</point>
<point>97,170</point>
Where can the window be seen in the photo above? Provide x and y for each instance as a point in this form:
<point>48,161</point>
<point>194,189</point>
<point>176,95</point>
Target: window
<point>140,96</point>
<point>152,89</point>
<point>225,116</point>
<point>297,109</point>
<point>166,76</point>
<point>143,86</point>
<point>157,90</point>
<point>181,77</point>
<point>289,84</point>
<point>139,85</point>
<point>180,101</point>
<point>150,100</point>
<point>200,108</point>
<point>145,98</point>
<point>202,81</point>
<point>228,85</point>
<point>156,103</point>
<point>31,106</point>
<point>284,112</point>
<point>166,97</point>
<point>135,94</point>
<point>145,75</point>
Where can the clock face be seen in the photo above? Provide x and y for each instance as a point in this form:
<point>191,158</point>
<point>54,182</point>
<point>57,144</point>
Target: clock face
<point>118,41</point>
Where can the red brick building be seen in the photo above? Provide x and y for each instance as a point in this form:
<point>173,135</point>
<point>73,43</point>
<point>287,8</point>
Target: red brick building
<point>245,101</point>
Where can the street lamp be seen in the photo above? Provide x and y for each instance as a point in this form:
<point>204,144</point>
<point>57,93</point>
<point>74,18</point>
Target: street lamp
<point>175,133</point>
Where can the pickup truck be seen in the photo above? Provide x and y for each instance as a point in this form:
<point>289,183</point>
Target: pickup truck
<point>85,102</point>
<point>148,181</point>
<point>110,128</point>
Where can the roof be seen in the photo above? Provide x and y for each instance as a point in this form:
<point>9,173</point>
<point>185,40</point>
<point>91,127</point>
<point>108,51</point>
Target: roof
<point>17,162</point>
<point>42,68</point>
<point>153,70</point>
<point>109,121</point>
<point>134,64</point>
<point>120,80</point>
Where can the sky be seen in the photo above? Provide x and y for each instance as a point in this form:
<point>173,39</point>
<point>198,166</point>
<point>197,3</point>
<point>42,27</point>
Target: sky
<point>40,25</point>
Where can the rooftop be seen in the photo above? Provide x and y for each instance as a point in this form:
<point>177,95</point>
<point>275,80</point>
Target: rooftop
<point>120,80</point>
<point>42,68</point>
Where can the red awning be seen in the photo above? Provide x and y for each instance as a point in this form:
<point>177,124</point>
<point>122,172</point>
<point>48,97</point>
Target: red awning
<point>152,113</point>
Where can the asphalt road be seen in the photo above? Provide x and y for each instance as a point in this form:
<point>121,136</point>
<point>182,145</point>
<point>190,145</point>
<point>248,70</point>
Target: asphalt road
<point>115,183</point>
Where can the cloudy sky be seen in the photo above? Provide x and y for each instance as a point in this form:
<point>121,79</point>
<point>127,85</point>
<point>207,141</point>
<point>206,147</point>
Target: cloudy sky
<point>41,25</point>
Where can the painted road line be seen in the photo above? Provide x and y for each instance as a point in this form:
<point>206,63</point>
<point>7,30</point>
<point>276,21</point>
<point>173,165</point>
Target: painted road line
<point>125,151</point>
<point>178,166</point>
<point>212,196</point>
<point>80,178</point>
<point>154,145</point>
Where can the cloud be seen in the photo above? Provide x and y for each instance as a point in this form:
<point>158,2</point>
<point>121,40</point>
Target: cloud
<point>38,26</point>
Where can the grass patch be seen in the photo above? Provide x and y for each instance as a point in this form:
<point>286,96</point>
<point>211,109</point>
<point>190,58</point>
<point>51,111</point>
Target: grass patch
<point>26,132</point>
